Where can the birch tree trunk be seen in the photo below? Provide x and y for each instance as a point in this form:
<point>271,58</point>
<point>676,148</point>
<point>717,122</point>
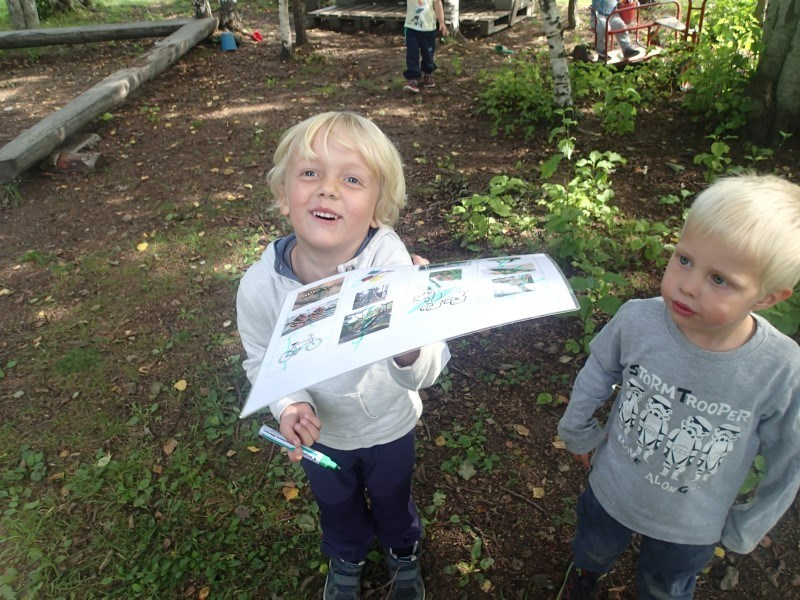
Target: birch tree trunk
<point>202,9</point>
<point>23,14</point>
<point>285,28</point>
<point>229,16</point>
<point>551,20</point>
<point>775,86</point>
<point>451,15</point>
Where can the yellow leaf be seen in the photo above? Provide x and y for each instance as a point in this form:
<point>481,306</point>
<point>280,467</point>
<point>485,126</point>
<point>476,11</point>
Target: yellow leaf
<point>141,247</point>
<point>522,430</point>
<point>290,493</point>
<point>537,492</point>
<point>204,593</point>
<point>559,443</point>
<point>719,552</point>
<point>440,441</point>
<point>54,476</point>
<point>170,445</point>
<point>180,385</point>
<point>254,449</point>
<point>228,171</point>
<point>230,198</point>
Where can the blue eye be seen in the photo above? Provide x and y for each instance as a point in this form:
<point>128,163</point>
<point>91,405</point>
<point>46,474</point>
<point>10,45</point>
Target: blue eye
<point>309,173</point>
<point>718,279</point>
<point>683,260</point>
<point>353,180</point>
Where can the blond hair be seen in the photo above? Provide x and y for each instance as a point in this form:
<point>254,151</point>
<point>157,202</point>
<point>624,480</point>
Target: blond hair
<point>354,132</point>
<point>758,214</point>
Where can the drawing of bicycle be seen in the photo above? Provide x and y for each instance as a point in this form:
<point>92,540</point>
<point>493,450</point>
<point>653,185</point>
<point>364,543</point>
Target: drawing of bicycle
<point>433,299</point>
<point>309,343</point>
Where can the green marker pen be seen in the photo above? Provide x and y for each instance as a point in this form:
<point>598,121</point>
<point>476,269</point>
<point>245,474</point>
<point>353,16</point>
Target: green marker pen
<point>316,457</point>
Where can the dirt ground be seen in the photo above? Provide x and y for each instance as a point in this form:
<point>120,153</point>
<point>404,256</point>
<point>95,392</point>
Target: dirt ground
<point>155,155</point>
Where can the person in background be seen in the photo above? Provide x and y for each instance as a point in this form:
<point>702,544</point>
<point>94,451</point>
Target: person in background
<point>421,28</point>
<point>602,12</point>
<point>339,181</point>
<point>704,386</point>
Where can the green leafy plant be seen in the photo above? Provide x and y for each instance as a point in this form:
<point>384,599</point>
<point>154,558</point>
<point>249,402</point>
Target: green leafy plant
<point>518,97</point>
<point>716,161</point>
<point>475,567</point>
<point>718,70</point>
<point>470,449</point>
<point>501,218</point>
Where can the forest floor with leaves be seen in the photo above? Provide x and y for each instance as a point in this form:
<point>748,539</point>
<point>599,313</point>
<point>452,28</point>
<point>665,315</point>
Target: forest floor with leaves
<point>196,143</point>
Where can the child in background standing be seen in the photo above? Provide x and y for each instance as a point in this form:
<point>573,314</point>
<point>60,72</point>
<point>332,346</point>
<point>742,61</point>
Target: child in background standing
<point>705,386</point>
<point>339,180</point>
<point>420,34</point>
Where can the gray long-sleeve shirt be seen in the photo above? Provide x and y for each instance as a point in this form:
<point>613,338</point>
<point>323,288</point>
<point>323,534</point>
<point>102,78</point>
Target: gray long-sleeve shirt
<point>375,404</point>
<point>685,427</point>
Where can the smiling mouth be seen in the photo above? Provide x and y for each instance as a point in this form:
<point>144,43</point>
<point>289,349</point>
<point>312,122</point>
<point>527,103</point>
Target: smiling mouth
<point>321,214</point>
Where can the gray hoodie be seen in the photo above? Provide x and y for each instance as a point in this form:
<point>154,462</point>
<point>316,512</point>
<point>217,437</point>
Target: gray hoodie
<point>372,405</point>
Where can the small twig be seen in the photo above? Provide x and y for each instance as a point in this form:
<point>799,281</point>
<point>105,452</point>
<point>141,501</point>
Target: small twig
<point>528,500</point>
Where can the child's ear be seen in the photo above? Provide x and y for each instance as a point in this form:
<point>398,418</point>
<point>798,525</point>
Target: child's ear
<point>283,204</point>
<point>772,299</point>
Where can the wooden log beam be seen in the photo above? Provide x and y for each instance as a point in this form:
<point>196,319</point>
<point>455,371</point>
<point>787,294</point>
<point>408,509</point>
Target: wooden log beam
<point>36,143</point>
<point>29,38</point>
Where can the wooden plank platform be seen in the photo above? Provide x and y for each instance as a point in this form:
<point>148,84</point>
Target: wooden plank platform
<point>483,16</point>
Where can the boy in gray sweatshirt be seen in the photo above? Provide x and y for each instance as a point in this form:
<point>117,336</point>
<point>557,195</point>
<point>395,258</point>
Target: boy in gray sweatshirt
<point>704,386</point>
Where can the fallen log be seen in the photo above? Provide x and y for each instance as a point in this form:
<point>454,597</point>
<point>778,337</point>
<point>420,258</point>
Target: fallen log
<point>30,38</point>
<point>36,143</point>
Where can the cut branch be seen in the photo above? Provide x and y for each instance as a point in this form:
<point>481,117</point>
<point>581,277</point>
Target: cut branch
<point>39,141</point>
<point>29,38</point>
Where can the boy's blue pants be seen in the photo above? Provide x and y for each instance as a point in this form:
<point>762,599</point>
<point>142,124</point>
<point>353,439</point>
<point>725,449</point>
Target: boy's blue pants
<point>370,496</point>
<point>419,45</point>
<point>666,570</point>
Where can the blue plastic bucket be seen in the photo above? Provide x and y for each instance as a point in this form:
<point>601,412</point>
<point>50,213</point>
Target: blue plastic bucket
<point>227,41</point>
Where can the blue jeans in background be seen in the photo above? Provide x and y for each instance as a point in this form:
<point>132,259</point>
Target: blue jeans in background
<point>420,47</point>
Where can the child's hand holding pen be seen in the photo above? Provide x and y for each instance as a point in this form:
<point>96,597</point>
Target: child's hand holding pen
<point>300,426</point>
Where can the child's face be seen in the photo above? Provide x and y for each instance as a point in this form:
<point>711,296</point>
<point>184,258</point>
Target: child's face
<point>330,200</point>
<point>710,289</point>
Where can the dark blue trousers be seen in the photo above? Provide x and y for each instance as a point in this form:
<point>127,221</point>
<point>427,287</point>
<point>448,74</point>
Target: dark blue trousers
<point>666,570</point>
<point>370,496</point>
<point>420,47</point>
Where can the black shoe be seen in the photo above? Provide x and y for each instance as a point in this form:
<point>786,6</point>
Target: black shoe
<point>343,581</point>
<point>630,51</point>
<point>579,584</point>
<point>405,576</point>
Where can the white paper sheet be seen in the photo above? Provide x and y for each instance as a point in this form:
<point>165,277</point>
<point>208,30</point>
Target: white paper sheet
<point>359,317</point>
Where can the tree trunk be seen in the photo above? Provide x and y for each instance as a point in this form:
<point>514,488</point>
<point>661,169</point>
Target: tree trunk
<point>299,15</point>
<point>451,15</point>
<point>87,34</point>
<point>229,17</point>
<point>551,20</point>
<point>573,22</point>
<point>23,14</point>
<point>202,9</point>
<point>285,29</point>
<point>775,86</point>
<point>36,143</point>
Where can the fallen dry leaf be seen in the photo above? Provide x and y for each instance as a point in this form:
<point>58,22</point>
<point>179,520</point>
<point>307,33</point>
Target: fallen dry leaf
<point>170,445</point>
<point>180,385</point>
